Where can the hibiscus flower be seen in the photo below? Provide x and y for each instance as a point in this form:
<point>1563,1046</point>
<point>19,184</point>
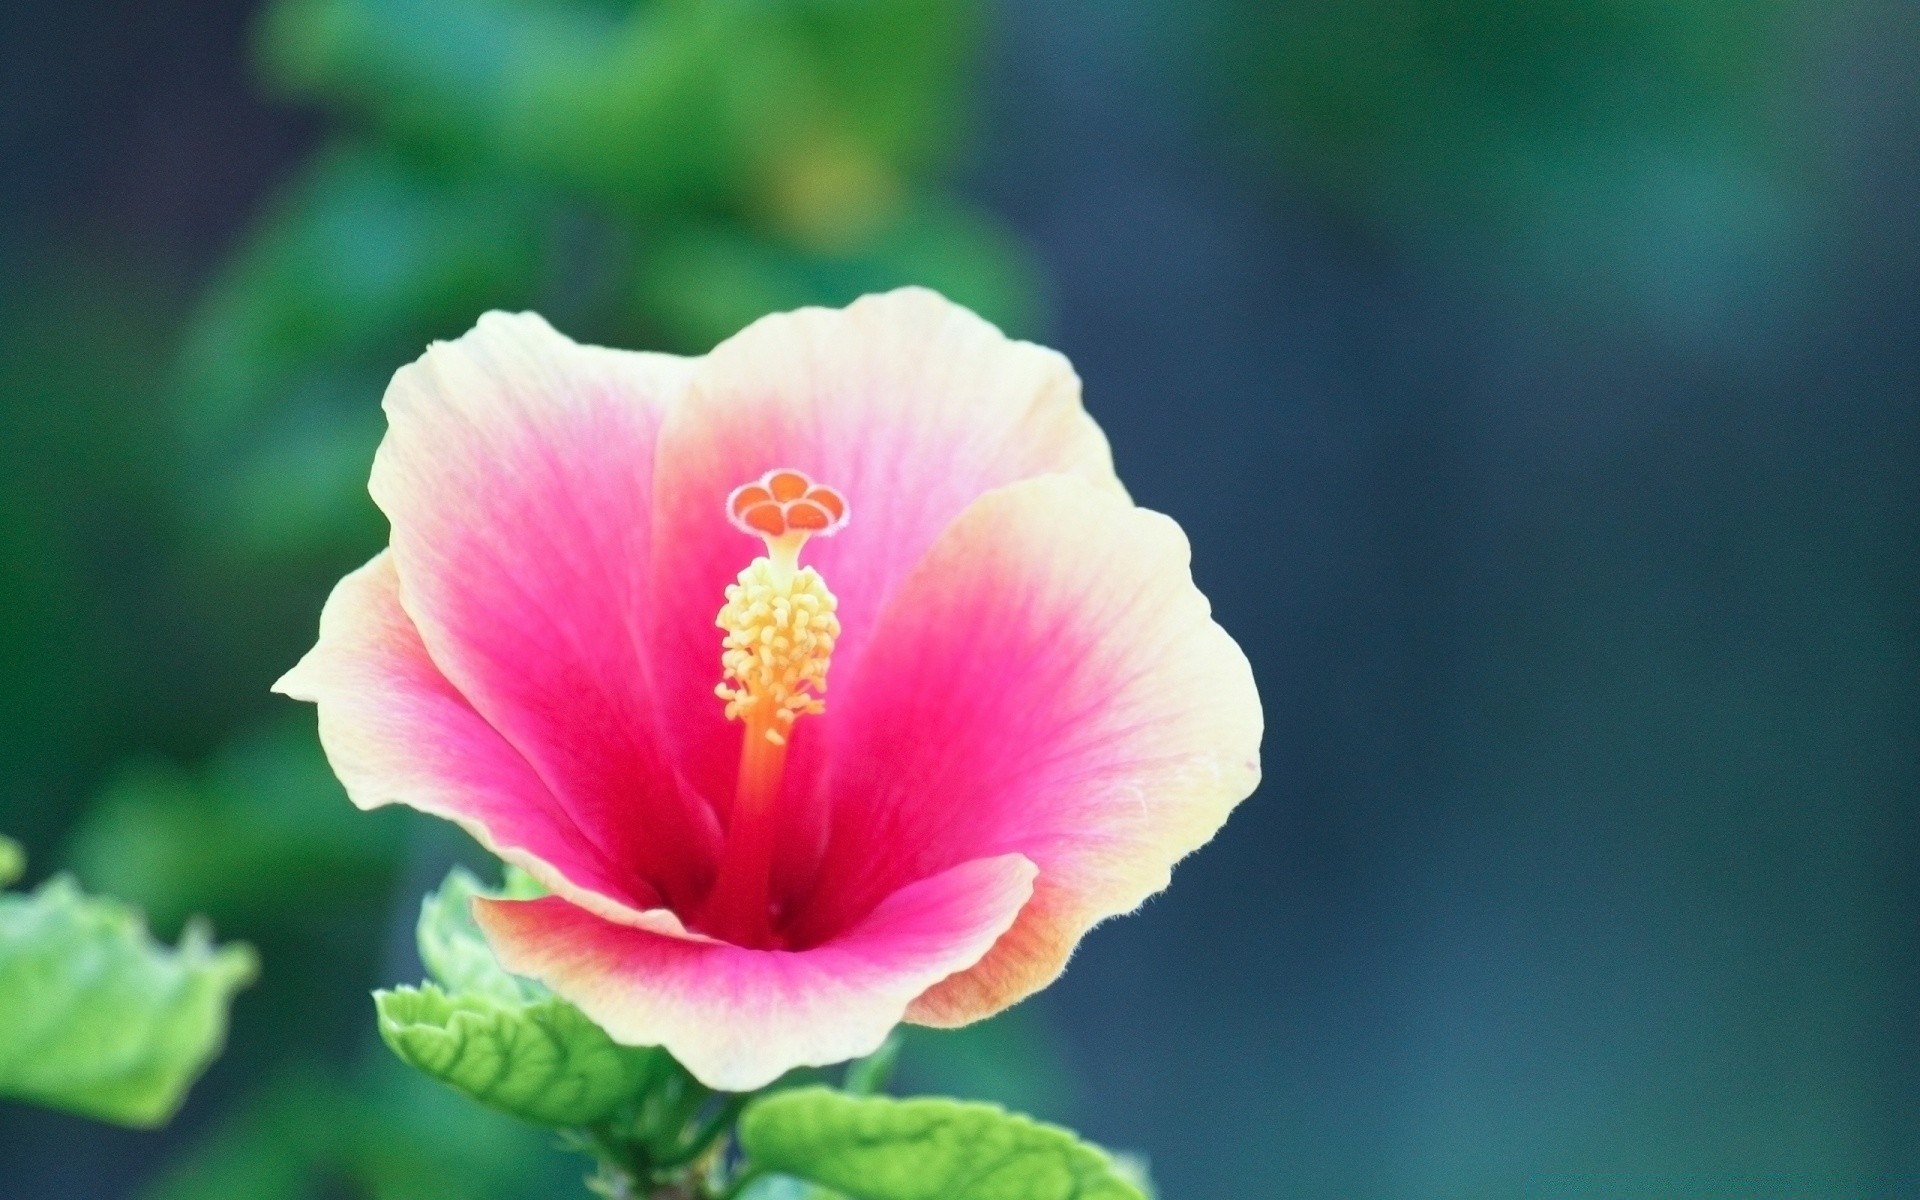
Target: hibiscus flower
<point>963,701</point>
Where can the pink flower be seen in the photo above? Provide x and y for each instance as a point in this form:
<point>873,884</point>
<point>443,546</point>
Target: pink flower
<point>1032,716</point>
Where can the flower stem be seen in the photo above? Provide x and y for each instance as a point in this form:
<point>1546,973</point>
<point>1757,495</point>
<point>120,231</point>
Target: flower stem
<point>745,1179</point>
<point>704,1136</point>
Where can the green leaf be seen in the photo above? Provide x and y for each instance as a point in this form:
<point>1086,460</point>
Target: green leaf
<point>506,1041</point>
<point>99,1018</point>
<point>544,1062</point>
<point>13,861</point>
<point>453,948</point>
<point>879,1148</point>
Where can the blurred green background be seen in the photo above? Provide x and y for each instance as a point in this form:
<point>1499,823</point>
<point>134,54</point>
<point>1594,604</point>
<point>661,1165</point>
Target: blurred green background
<point>1538,380</point>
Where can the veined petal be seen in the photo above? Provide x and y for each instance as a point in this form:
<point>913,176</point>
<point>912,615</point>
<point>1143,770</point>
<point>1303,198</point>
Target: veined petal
<point>738,1018</point>
<point>910,406</point>
<point>517,472</point>
<point>396,732</point>
<point>1049,682</point>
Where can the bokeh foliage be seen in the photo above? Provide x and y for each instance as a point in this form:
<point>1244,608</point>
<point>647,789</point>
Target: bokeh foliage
<point>101,1019</point>
<point>1644,147</point>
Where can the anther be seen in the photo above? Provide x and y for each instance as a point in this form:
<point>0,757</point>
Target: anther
<point>779,618</point>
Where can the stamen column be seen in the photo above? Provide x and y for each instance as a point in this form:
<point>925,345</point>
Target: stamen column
<point>780,631</point>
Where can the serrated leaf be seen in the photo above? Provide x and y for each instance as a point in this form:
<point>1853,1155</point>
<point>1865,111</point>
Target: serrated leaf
<point>99,1018</point>
<point>505,1041</point>
<point>880,1148</point>
<point>454,950</point>
<point>544,1062</point>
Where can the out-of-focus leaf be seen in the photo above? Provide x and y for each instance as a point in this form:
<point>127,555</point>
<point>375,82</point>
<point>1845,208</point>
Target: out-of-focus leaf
<point>543,1061</point>
<point>879,1148</point>
<point>657,105</point>
<point>664,104</point>
<point>1431,87</point>
<point>383,1132</point>
<point>298,485</point>
<point>456,953</point>
<point>896,70</point>
<point>270,1147</point>
<point>99,1018</point>
<point>360,263</point>
<point>363,255</point>
<point>262,837</point>
<point>829,196</point>
<point>13,861</point>
<point>703,281</point>
<point>82,443</point>
<point>1599,146</point>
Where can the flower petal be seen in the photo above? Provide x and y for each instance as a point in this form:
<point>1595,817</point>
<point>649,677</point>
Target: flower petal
<point>738,1018</point>
<point>1047,682</point>
<point>396,732</point>
<point>907,405</point>
<point>517,473</point>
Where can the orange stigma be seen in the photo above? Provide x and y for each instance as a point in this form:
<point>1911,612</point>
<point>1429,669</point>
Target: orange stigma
<point>785,508</point>
<point>780,630</point>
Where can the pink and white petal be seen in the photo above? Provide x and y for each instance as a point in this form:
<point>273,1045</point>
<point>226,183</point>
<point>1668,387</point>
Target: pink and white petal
<point>517,472</point>
<point>1026,959</point>
<point>739,1019</point>
<point>396,732</point>
<point>1049,682</point>
<point>908,404</point>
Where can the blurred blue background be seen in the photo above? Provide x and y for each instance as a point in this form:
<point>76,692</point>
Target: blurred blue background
<point>1538,379</point>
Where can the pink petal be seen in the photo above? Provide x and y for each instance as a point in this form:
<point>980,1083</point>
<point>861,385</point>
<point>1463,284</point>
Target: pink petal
<point>909,406</point>
<point>396,732</point>
<point>518,474</point>
<point>1048,682</point>
<point>738,1018</point>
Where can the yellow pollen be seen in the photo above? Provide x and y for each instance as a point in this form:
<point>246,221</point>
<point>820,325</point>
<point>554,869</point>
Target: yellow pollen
<point>780,629</point>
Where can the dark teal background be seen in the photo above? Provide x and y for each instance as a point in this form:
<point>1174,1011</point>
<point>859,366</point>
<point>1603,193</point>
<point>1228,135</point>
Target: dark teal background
<point>1540,385</point>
